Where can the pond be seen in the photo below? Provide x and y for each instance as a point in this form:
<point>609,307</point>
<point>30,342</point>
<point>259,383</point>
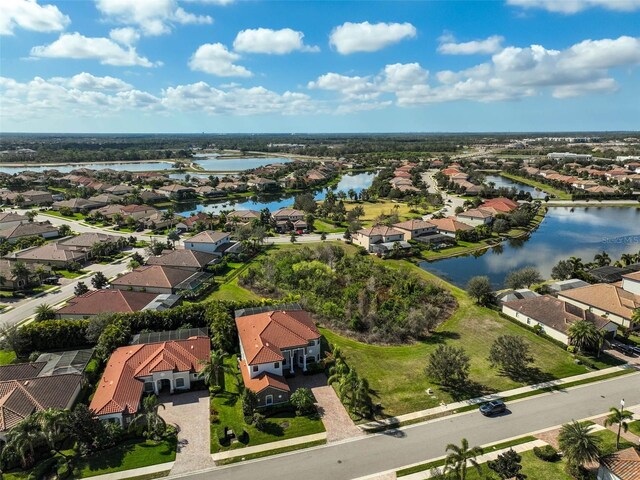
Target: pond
<point>565,232</point>
<point>124,166</point>
<point>213,163</point>
<point>357,182</point>
<point>502,182</point>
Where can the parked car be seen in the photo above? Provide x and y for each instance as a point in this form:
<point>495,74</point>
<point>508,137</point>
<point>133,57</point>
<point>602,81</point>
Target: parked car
<point>52,280</point>
<point>493,408</point>
<point>627,350</point>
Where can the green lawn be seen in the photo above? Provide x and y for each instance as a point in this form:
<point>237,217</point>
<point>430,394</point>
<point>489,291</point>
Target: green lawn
<point>320,226</point>
<point>233,292</point>
<point>608,442</point>
<point>69,274</point>
<point>634,427</point>
<point>280,427</point>
<point>128,455</point>
<point>532,467</point>
<point>75,216</point>
<point>405,391</point>
<point>542,186</point>
<point>7,357</point>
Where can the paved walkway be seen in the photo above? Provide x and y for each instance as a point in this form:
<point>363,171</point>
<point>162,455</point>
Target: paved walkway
<point>135,472</point>
<point>375,425</point>
<point>189,412</point>
<point>239,452</point>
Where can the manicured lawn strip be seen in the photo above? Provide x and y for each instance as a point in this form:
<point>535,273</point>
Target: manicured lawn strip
<point>267,453</point>
<point>7,357</point>
<point>128,455</point>
<point>608,442</point>
<point>634,427</point>
<point>71,275</point>
<point>151,476</point>
<point>499,446</point>
<point>229,407</point>
<point>320,226</point>
<point>532,467</point>
<point>542,186</point>
<point>54,213</point>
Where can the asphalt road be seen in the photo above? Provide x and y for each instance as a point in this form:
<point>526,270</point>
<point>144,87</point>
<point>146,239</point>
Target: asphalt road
<point>421,442</point>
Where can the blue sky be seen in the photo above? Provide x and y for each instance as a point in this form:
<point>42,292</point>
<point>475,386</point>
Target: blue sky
<point>303,66</point>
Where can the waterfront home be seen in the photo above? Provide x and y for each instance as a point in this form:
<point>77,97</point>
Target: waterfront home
<point>242,217</point>
<point>189,223</point>
<point>475,217</point>
<point>287,219</point>
<point>23,230</point>
<point>275,343</point>
<point>148,368</point>
<point>120,189</point>
<point>96,302</point>
<point>105,198</point>
<point>158,279</point>
<point>611,301</point>
<point>415,228</point>
<point>564,285</point>
<point>177,191</point>
<point>138,212</point>
<point>261,184</point>
<point>151,196</point>
<point>499,205</point>
<point>449,226</point>
<point>374,238</point>
<point>554,316</point>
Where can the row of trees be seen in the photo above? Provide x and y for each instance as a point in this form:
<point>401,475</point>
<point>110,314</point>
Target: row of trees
<point>576,267</point>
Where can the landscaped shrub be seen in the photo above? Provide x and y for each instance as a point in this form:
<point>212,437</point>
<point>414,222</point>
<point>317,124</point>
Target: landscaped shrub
<point>244,437</point>
<point>223,440</point>
<point>59,334</point>
<point>546,453</point>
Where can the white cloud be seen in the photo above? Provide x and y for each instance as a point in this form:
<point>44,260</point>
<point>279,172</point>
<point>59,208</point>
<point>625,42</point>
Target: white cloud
<point>212,2</point>
<point>574,6</point>
<point>28,14</point>
<point>86,81</point>
<point>511,74</point>
<point>266,40</point>
<point>492,44</point>
<point>366,37</point>
<point>79,47</point>
<point>214,58</point>
<point>125,36</point>
<point>152,17</point>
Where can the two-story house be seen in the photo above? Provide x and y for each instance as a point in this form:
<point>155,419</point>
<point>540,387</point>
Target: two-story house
<point>378,239</point>
<point>275,343</point>
<point>209,241</point>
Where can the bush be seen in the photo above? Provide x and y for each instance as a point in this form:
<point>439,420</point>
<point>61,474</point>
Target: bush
<point>259,421</point>
<point>244,437</point>
<point>223,440</point>
<point>64,471</point>
<point>546,453</point>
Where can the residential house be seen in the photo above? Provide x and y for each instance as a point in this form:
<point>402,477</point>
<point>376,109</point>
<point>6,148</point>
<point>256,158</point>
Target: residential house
<point>134,370</point>
<point>158,279</point>
<point>499,205</point>
<point>415,228</point>
<point>610,301</point>
<point>449,226</point>
<point>28,198</point>
<point>23,230</point>
<point>609,273</point>
<point>10,219</point>
<point>261,184</point>
<point>621,465</point>
<point>189,223</point>
<point>190,260</point>
<point>275,343</point>
<point>475,217</point>
<point>554,316</point>
<point>177,191</point>
<point>563,285</point>
<point>53,381</point>
<point>289,219</point>
<point>215,243</point>
<point>109,211</point>
<point>51,254</point>
<point>77,204</point>
<point>379,238</point>
<point>85,241</point>
<point>96,302</point>
<point>631,283</point>
<point>8,281</point>
<point>105,198</point>
<point>209,192</point>
<point>120,190</point>
<point>243,216</point>
<point>151,196</point>
<point>138,211</point>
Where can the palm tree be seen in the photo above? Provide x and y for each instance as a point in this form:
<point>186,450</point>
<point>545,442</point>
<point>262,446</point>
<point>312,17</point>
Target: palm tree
<point>602,259</point>
<point>627,259</point>
<point>148,420</point>
<point>214,367</point>
<point>44,311</point>
<point>55,428</point>
<point>578,444</point>
<point>20,271</point>
<point>577,264</point>
<point>23,438</point>
<point>456,461</point>
<point>618,417</point>
<point>584,335</point>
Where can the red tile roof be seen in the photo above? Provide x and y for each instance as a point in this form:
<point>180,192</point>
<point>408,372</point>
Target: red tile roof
<point>625,464</point>
<point>262,381</point>
<point>264,335</point>
<point>501,204</point>
<point>153,276</point>
<point>121,385</point>
<point>449,224</point>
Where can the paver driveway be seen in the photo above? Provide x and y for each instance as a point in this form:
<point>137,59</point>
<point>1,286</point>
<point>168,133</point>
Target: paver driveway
<point>189,413</point>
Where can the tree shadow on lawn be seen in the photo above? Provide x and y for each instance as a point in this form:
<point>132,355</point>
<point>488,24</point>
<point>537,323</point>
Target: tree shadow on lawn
<point>528,375</point>
<point>436,338</point>
<point>468,390</point>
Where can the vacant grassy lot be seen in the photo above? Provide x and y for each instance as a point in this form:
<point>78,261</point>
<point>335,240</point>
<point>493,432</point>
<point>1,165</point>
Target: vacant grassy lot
<point>373,210</point>
<point>279,427</point>
<point>233,292</point>
<point>471,327</point>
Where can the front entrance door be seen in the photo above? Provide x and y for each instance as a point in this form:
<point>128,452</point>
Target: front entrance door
<point>165,385</point>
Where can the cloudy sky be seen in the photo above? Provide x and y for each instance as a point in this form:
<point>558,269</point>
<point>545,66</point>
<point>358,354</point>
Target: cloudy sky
<point>319,66</point>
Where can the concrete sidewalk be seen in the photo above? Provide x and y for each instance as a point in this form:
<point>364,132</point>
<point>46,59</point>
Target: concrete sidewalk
<point>443,408</point>
<point>136,472</point>
<point>239,452</point>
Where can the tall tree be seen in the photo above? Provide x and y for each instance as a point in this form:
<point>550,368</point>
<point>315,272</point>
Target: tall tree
<point>620,417</point>
<point>511,353</point>
<point>460,457</point>
<point>99,281</point>
<point>214,367</point>
<point>148,420</point>
<point>480,288</point>
<point>578,444</point>
<point>24,438</point>
<point>448,365</point>
<point>602,259</point>
<point>585,336</point>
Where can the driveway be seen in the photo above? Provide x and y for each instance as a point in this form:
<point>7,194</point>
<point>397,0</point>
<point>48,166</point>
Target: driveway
<point>189,413</point>
<point>335,418</point>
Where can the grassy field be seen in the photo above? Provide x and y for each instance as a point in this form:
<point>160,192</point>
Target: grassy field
<point>561,195</point>
<point>634,427</point>
<point>75,216</point>
<point>320,226</point>
<point>279,427</point>
<point>532,467</point>
<point>405,391</point>
<point>7,357</point>
<point>69,274</point>
<point>372,210</point>
<point>233,292</point>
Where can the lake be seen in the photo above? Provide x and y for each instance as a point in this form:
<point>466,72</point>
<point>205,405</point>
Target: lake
<point>212,163</point>
<point>357,182</point>
<point>502,182</point>
<point>562,234</point>
<point>125,166</point>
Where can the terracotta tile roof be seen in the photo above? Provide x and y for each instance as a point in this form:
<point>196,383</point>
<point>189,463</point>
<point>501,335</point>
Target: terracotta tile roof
<point>121,385</point>
<point>632,276</point>
<point>90,239</point>
<point>609,298</point>
<point>244,214</point>
<point>625,464</point>
<point>416,224</point>
<point>265,335</point>
<point>208,236</point>
<point>107,301</point>
<point>21,398</point>
<point>287,212</point>
<point>182,258</point>
<point>262,381</point>
<point>554,313</point>
<point>450,224</point>
<point>501,204</point>
<point>379,230</point>
<point>476,213</point>
<point>153,276</point>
